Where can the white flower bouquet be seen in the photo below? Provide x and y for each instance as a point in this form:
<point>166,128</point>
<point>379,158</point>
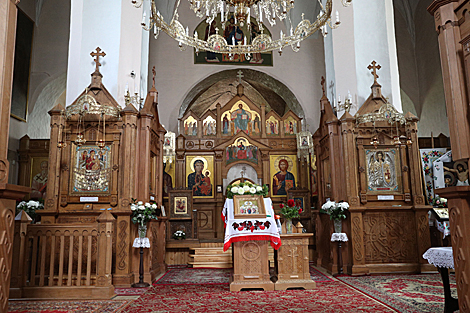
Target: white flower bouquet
<point>179,235</point>
<point>246,188</point>
<point>29,207</point>
<point>142,213</point>
<point>336,211</point>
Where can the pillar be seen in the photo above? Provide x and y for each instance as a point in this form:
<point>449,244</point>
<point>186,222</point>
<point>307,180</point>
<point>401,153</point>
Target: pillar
<point>115,27</point>
<point>366,33</point>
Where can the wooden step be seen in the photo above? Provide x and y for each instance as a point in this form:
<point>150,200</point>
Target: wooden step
<point>211,258</point>
<point>211,264</point>
<point>218,250</point>
<point>215,257</point>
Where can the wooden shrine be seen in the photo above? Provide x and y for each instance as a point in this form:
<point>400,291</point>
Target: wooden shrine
<point>453,28</point>
<point>100,157</point>
<point>371,160</point>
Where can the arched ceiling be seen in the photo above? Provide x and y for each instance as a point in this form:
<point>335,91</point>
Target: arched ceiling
<point>258,87</point>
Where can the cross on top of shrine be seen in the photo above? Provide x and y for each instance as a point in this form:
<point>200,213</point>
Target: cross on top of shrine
<point>374,67</point>
<point>97,55</point>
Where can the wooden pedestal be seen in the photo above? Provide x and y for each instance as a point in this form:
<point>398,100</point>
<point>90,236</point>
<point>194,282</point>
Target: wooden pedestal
<point>292,263</point>
<point>251,266</point>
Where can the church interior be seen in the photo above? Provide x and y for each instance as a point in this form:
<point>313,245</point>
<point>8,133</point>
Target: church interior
<point>167,156</point>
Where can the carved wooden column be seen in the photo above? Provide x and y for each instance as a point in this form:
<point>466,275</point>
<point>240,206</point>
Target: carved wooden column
<point>263,120</point>
<point>8,193</point>
<point>8,12</point>
<point>51,206</point>
<point>180,170</point>
<point>459,217</point>
<point>453,76</point>
<point>218,122</point>
<point>143,171</point>
<point>219,196</point>
<point>123,274</point>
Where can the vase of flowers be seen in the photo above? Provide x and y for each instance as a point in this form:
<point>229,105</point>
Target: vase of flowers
<point>290,211</point>
<point>30,208</point>
<point>439,202</point>
<point>141,214</point>
<point>337,213</point>
<point>179,235</point>
<point>246,188</point>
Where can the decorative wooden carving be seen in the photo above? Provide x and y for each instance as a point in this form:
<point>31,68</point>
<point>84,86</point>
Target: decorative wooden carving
<point>378,173</point>
<point>251,266</point>
<point>292,266</point>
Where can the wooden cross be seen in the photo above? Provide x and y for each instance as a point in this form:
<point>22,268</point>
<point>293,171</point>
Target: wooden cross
<point>154,73</point>
<point>240,76</point>
<point>293,254</point>
<point>323,82</point>
<point>374,69</point>
<point>97,55</point>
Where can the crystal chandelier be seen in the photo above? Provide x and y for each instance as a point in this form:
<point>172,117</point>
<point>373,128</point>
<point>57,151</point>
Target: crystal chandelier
<point>243,11</point>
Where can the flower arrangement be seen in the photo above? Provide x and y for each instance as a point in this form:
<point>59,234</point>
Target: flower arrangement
<point>439,202</point>
<point>337,211</point>
<point>179,235</point>
<point>29,207</point>
<point>142,213</point>
<point>246,188</point>
<point>289,210</point>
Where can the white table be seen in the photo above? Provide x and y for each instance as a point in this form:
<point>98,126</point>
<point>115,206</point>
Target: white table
<point>339,238</point>
<point>443,259</point>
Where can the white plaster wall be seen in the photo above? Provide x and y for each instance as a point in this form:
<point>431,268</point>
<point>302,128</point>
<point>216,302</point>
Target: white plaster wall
<point>420,71</point>
<point>374,39</point>
<point>50,47</point>
<point>39,119</point>
<point>93,24</point>
<point>177,73</point>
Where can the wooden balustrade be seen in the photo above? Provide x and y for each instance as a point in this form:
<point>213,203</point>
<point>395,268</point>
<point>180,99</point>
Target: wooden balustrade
<point>63,260</point>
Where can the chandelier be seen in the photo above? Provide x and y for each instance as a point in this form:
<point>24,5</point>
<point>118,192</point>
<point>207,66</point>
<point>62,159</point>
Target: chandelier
<point>243,11</point>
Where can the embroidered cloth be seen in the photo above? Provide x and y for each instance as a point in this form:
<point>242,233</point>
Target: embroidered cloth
<point>339,237</point>
<point>250,229</point>
<point>141,243</point>
<point>440,257</point>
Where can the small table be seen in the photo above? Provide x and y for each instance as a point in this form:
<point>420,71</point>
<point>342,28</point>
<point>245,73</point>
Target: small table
<point>141,243</point>
<point>292,266</point>
<point>340,238</point>
<point>443,259</point>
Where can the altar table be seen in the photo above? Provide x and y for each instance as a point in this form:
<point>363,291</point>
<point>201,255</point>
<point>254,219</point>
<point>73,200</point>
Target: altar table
<point>250,239</point>
<point>250,229</point>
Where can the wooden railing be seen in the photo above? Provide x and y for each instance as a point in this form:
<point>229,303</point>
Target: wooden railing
<point>62,260</point>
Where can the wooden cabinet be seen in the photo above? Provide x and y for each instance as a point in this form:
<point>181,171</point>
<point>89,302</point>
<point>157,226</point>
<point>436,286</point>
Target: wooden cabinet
<point>291,261</point>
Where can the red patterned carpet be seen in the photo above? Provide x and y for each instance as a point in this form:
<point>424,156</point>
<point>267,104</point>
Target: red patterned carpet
<point>328,297</point>
<point>184,289</point>
<point>186,276</point>
<point>405,293</point>
<point>72,306</point>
